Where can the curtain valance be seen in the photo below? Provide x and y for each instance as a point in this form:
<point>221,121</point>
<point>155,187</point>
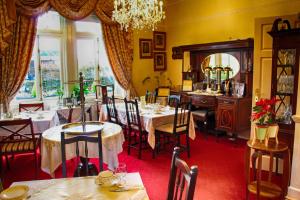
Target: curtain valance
<point>13,58</point>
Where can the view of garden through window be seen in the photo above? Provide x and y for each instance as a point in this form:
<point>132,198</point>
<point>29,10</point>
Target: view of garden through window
<point>48,53</point>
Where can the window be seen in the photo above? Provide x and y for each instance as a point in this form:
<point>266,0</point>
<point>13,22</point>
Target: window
<point>62,49</point>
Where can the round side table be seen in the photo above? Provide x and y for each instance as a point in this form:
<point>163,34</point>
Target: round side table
<point>266,188</point>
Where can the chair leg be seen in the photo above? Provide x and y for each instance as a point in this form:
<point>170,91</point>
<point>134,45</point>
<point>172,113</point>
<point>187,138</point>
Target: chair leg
<point>36,165</point>
<point>129,142</point>
<point>188,145</point>
<point>140,145</point>
<point>7,162</point>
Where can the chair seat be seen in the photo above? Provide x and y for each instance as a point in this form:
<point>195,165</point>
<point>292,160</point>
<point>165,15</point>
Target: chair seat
<point>168,128</point>
<point>18,146</point>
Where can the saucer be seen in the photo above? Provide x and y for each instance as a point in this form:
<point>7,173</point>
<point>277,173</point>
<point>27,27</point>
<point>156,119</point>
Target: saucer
<point>17,192</point>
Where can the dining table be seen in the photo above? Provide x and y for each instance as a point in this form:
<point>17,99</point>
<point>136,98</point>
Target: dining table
<point>150,118</point>
<point>112,141</point>
<point>41,120</point>
<point>84,188</point>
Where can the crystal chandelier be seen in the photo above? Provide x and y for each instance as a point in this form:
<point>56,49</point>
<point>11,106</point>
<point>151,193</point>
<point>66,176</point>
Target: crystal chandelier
<point>138,14</point>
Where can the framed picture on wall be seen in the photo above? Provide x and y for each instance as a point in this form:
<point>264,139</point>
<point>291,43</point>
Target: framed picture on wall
<point>146,50</point>
<point>160,62</point>
<point>159,40</point>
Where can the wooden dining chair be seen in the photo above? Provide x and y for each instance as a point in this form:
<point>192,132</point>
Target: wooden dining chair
<point>150,97</point>
<point>103,91</point>
<point>19,139</point>
<point>135,129</point>
<point>112,113</point>
<point>182,179</point>
<point>31,106</point>
<point>75,140</point>
<point>179,126</point>
<point>173,100</point>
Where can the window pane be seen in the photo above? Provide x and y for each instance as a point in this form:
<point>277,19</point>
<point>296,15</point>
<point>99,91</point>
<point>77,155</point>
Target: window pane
<point>50,55</point>
<point>86,55</point>
<point>88,27</point>
<point>49,21</point>
<point>28,89</point>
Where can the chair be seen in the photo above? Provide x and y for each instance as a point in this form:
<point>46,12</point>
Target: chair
<point>112,114</point>
<point>182,178</point>
<point>103,91</point>
<point>31,106</point>
<point>19,139</point>
<point>206,117</point>
<point>135,127</point>
<point>180,126</point>
<point>150,97</point>
<point>1,186</point>
<point>162,94</point>
<point>173,100</point>
<point>75,140</point>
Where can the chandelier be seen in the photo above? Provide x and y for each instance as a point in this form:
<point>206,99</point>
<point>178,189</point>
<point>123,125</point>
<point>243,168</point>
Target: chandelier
<point>138,14</point>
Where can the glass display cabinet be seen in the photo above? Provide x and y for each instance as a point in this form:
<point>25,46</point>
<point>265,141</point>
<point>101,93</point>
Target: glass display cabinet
<point>285,70</point>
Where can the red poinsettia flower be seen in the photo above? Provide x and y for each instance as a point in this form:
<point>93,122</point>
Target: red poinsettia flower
<point>263,111</point>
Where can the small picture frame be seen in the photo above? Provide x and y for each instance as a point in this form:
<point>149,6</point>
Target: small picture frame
<point>160,62</point>
<point>146,49</point>
<point>159,40</point>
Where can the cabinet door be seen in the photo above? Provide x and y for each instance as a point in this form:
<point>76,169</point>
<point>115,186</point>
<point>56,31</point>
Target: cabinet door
<point>226,117</point>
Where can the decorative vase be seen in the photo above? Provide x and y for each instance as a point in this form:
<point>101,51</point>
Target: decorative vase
<point>260,132</point>
<point>272,133</point>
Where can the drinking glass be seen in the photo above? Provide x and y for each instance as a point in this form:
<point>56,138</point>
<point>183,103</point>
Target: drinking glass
<point>121,172</point>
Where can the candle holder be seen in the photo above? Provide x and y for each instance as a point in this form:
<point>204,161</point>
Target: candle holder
<point>207,71</point>
<point>218,71</point>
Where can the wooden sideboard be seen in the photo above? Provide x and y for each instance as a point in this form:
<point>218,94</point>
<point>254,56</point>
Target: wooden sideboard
<point>232,114</point>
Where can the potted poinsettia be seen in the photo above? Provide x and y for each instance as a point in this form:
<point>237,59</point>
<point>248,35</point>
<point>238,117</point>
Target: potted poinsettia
<point>263,115</point>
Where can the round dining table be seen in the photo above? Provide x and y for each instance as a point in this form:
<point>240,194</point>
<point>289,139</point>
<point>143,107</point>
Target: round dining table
<point>112,141</point>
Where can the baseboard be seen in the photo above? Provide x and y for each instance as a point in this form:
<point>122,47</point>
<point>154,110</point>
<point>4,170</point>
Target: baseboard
<point>293,193</point>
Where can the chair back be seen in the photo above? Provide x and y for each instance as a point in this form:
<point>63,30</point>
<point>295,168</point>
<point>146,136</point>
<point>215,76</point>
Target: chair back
<point>133,115</point>
<point>65,119</point>
<point>16,130</point>
<point>150,97</point>
<point>103,91</point>
<point>182,181</point>
<point>31,106</point>
<point>112,113</point>
<point>67,139</point>
<point>182,116</point>
<point>173,100</point>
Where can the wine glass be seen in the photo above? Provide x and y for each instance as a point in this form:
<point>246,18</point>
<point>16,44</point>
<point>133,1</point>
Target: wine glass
<point>121,172</point>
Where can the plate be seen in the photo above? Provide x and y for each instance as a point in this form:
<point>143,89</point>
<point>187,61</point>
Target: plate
<point>17,192</point>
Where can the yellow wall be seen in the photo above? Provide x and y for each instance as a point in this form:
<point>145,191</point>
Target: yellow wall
<point>195,21</point>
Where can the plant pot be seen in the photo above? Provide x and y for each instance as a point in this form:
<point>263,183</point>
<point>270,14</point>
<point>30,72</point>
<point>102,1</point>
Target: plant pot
<point>273,132</point>
<point>261,132</point>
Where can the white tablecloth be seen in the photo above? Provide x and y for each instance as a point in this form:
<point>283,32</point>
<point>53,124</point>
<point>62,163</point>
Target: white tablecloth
<point>149,119</point>
<point>112,140</point>
<point>83,188</point>
<point>41,121</point>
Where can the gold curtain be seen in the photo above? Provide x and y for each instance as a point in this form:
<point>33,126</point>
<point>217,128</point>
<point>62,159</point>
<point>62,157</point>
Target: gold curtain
<point>119,46</point>
<point>32,8</point>
<point>15,63</point>
<point>7,19</point>
<point>74,9</point>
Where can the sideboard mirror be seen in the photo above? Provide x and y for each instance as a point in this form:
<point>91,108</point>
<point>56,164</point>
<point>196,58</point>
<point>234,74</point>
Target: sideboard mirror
<point>221,60</point>
<point>238,54</point>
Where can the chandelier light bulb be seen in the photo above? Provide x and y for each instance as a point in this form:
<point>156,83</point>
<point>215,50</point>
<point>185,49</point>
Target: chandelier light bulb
<point>138,14</point>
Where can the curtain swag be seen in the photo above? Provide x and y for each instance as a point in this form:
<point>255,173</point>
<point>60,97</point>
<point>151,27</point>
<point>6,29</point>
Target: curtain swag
<point>18,20</point>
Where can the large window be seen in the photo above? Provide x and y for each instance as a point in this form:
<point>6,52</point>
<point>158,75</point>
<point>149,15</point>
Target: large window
<point>63,49</point>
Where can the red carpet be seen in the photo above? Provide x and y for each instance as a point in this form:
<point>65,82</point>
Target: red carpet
<point>221,169</point>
